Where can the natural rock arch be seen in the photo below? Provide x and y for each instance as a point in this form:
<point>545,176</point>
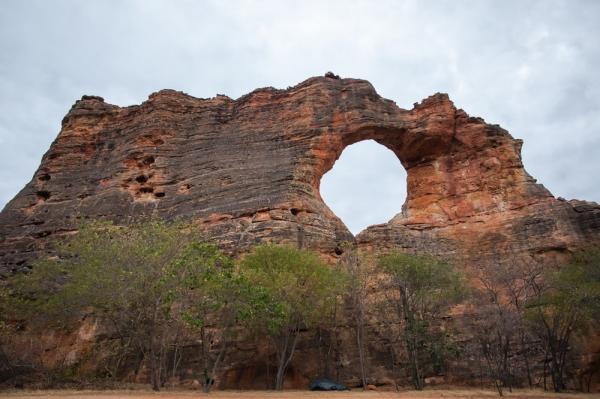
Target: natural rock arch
<point>366,185</point>
<point>248,170</point>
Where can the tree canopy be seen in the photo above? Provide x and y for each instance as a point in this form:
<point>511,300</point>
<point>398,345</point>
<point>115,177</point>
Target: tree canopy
<point>128,276</point>
<point>566,301</point>
<point>287,289</point>
<point>420,287</point>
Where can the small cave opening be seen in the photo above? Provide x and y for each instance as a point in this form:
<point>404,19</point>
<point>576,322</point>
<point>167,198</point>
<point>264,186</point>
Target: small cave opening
<point>141,179</point>
<point>159,194</point>
<point>365,186</point>
<point>294,211</point>
<point>148,160</point>
<point>43,195</point>
<point>44,177</point>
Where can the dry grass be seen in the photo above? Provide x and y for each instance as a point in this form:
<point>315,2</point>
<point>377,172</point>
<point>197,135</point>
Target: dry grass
<point>427,394</point>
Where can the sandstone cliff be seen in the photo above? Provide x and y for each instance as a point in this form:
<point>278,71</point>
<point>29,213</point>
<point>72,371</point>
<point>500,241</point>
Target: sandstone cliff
<point>249,170</point>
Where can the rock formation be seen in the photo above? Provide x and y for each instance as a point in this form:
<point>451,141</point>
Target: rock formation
<point>249,170</point>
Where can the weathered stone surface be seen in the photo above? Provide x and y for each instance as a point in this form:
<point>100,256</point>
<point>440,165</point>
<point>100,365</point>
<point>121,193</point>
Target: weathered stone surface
<point>249,170</point>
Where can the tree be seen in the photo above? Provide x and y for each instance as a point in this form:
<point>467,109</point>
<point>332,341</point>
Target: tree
<point>567,302</point>
<point>495,331</point>
<point>124,275</point>
<point>208,298</point>
<point>6,330</point>
<point>500,327</point>
<point>286,290</point>
<point>356,296</point>
<point>420,288</point>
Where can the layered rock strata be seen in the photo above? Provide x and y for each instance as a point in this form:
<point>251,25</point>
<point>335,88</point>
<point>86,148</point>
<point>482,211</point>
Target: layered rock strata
<point>249,171</point>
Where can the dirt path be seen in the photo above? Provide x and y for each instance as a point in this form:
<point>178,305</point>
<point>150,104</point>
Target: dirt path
<point>428,394</point>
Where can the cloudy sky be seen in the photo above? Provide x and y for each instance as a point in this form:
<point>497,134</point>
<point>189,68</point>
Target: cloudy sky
<point>530,66</point>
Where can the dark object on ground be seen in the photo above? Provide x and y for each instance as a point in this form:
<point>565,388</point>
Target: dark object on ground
<point>325,384</point>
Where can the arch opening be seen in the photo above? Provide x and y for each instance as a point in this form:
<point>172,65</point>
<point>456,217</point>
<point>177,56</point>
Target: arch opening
<point>365,186</point>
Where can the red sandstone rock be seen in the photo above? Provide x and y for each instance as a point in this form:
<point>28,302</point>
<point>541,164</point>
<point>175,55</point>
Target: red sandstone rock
<point>249,170</point>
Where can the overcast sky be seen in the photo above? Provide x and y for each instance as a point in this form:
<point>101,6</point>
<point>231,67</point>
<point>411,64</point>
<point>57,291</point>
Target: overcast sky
<point>530,66</point>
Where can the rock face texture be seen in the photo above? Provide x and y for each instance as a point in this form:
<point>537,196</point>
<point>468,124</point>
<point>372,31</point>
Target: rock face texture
<point>249,170</point>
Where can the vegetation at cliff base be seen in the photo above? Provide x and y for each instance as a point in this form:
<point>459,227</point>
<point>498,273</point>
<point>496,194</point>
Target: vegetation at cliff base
<point>158,302</point>
<point>287,290</point>
<point>420,288</point>
<point>538,312</point>
<point>563,305</point>
<point>129,277</point>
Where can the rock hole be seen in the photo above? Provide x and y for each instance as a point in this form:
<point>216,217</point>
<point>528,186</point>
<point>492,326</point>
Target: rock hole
<point>365,186</point>
<point>146,190</point>
<point>149,160</point>
<point>43,195</point>
<point>159,195</point>
<point>44,177</point>
<point>294,211</point>
<point>141,179</point>
<point>338,251</point>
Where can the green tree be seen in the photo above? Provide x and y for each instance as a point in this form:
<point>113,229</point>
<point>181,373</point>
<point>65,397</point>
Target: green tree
<point>286,290</point>
<point>567,302</point>
<point>6,330</point>
<point>356,294</point>
<point>209,302</point>
<point>123,275</point>
<point>420,289</point>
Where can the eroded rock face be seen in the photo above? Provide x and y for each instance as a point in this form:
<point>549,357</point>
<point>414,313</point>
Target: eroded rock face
<point>249,170</point>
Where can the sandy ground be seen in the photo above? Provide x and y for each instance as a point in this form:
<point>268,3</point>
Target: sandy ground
<point>427,394</point>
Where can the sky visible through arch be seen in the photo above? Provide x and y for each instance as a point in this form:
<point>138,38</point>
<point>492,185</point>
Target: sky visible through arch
<point>357,190</point>
<point>530,66</point>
